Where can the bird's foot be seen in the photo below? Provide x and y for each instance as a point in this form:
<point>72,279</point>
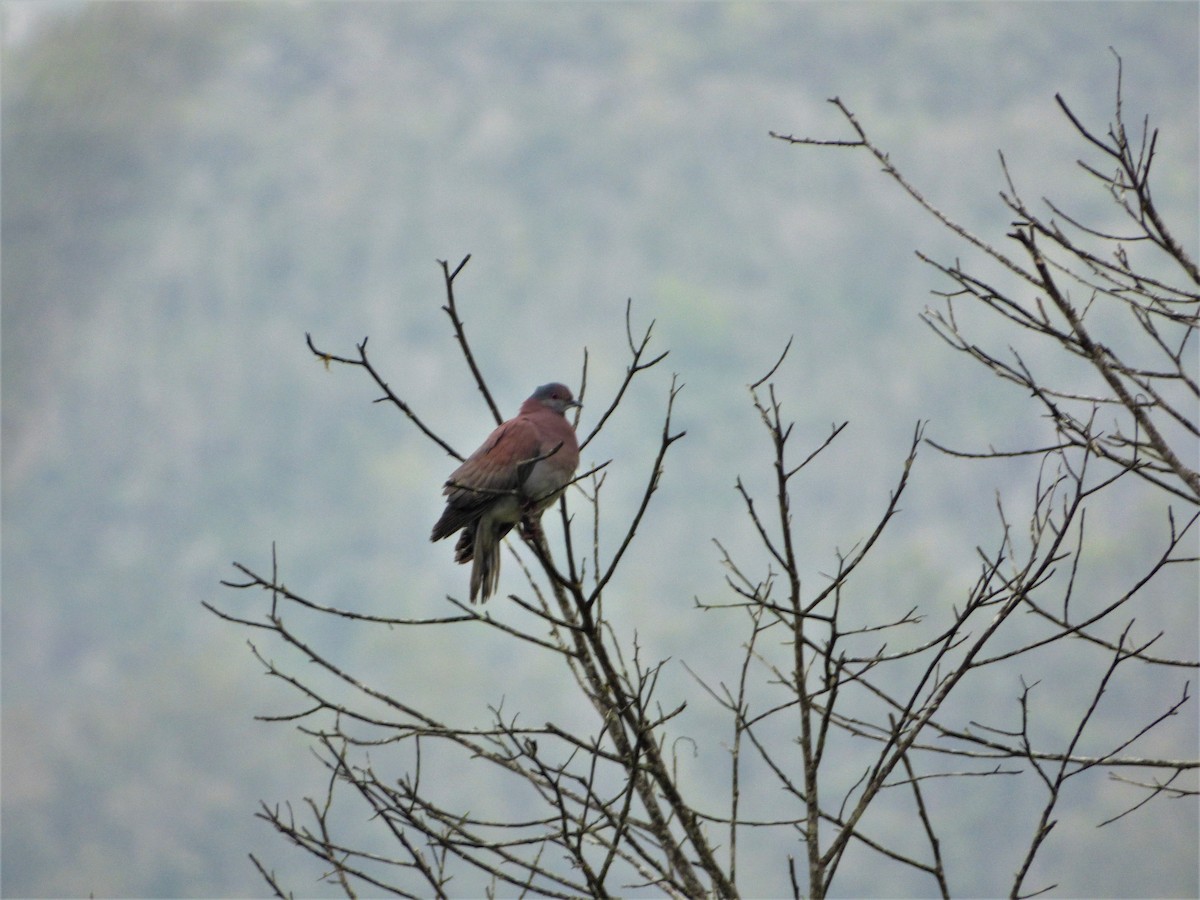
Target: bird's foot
<point>531,529</point>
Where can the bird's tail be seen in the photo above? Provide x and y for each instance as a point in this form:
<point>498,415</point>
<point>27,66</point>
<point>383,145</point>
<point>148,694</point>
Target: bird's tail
<point>485,570</point>
<point>464,550</point>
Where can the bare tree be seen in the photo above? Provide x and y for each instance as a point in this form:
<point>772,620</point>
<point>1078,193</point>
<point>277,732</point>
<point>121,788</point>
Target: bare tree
<point>817,694</point>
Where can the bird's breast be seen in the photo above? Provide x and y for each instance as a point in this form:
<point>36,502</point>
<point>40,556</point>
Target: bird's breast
<point>545,481</point>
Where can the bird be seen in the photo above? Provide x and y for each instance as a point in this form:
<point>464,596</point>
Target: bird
<point>521,469</point>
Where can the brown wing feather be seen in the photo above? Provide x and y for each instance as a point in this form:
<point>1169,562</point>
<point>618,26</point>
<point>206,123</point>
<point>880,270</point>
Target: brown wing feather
<point>493,467</point>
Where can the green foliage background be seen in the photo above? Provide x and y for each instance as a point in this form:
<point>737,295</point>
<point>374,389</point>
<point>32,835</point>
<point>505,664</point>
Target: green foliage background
<point>190,187</point>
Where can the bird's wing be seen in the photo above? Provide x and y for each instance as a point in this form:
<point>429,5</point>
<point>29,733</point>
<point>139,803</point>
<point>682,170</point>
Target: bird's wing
<point>495,466</point>
<point>486,476</point>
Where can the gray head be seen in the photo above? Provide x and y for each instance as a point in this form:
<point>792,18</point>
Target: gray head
<point>556,396</point>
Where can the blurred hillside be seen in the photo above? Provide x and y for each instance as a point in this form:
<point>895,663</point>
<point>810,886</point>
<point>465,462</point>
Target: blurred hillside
<point>188,188</point>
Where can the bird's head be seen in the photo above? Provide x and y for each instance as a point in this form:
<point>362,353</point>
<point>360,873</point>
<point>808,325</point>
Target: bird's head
<point>556,396</point>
